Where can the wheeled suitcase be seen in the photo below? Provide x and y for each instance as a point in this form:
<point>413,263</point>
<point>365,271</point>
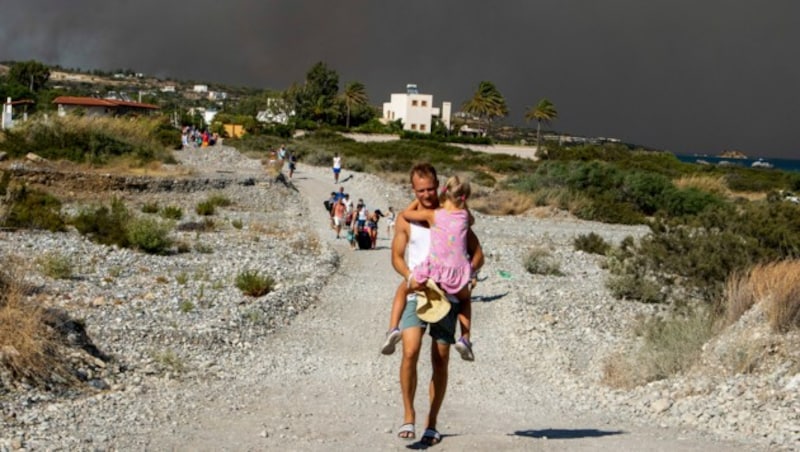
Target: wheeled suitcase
<point>364,242</point>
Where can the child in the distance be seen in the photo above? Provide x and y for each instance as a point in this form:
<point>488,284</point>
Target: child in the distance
<point>447,264</point>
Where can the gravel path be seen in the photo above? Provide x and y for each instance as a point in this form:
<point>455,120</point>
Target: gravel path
<point>300,370</point>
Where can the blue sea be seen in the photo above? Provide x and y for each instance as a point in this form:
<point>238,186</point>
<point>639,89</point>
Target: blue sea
<point>777,164</point>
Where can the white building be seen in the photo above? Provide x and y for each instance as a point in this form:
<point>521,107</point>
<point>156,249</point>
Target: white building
<point>217,95</point>
<point>415,110</point>
<point>200,88</point>
<point>277,112</point>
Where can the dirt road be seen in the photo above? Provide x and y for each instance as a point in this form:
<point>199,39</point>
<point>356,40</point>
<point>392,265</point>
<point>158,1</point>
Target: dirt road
<point>322,385</point>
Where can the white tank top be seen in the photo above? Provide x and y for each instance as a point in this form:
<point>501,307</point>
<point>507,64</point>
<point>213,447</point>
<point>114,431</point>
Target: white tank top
<point>419,243</point>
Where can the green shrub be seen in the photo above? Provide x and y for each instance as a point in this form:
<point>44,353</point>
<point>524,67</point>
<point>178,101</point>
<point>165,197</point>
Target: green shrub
<point>219,200</point>
<point>635,286</point>
<point>591,243</point>
<point>206,225</point>
<point>645,191</point>
<point>56,265</point>
<point>205,208</point>
<point>186,306</point>
<point>5,178</point>
<point>606,209</point>
<point>149,235</point>
<point>252,283</point>
<point>672,344</point>
<point>237,223</point>
<point>171,213</point>
<point>104,225</point>
<point>203,248</point>
<point>150,207</point>
<point>86,139</point>
<point>540,262</point>
<point>170,360</point>
<point>34,209</point>
<point>688,202</point>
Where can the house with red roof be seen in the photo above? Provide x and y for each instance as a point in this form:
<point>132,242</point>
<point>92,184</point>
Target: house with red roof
<point>92,106</point>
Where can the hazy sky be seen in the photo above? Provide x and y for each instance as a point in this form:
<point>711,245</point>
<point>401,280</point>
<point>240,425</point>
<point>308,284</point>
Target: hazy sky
<point>698,76</point>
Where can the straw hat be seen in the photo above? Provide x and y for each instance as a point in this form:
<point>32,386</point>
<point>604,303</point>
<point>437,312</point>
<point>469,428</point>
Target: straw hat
<point>432,304</point>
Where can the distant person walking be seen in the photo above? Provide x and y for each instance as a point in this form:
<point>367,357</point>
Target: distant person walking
<point>337,167</point>
<point>292,164</point>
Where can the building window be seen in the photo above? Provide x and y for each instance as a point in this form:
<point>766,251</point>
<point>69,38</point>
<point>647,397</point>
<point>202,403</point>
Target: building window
<point>424,103</point>
<point>414,103</point>
<point>422,127</point>
<point>413,127</point>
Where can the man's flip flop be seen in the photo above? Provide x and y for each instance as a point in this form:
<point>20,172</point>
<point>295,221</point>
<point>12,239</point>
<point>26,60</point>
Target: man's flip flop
<point>431,437</point>
<point>406,431</point>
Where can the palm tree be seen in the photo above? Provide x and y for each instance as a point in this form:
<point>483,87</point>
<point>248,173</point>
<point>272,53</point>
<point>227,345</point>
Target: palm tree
<point>354,95</point>
<point>545,112</point>
<point>487,103</point>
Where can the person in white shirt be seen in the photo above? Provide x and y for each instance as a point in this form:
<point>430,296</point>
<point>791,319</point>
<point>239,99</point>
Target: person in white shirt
<point>337,167</point>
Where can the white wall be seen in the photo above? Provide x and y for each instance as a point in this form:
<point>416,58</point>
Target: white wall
<point>414,109</point>
<point>7,115</point>
<point>63,110</point>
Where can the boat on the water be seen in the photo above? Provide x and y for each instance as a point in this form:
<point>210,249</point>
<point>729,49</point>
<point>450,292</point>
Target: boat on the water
<point>761,163</point>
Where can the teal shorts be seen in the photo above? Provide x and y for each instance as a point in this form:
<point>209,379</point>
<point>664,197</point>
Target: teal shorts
<point>443,331</point>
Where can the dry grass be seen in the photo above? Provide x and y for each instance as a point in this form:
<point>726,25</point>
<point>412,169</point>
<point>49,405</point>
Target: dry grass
<point>668,346</point>
<point>776,285</point>
<point>502,202</point>
<point>125,165</point>
<point>619,371</point>
<point>28,346</point>
<point>273,230</point>
<point>561,198</point>
<point>710,184</point>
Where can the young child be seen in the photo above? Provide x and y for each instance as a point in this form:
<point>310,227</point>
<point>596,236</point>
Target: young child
<point>447,264</point>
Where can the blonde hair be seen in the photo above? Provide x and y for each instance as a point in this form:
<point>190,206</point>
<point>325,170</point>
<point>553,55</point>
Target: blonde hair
<point>457,191</point>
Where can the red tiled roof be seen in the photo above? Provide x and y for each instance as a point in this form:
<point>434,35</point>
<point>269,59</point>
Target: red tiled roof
<point>134,104</point>
<point>94,102</point>
<point>85,101</point>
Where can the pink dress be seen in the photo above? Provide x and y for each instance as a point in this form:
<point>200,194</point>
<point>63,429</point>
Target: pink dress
<point>447,262</point>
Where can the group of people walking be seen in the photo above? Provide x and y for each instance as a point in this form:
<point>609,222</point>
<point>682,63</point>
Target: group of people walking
<point>357,222</point>
<point>194,137</point>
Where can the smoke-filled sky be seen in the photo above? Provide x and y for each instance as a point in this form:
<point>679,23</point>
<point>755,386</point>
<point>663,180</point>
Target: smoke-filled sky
<point>689,76</point>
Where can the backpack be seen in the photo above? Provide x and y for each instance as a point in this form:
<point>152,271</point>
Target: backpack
<point>348,220</point>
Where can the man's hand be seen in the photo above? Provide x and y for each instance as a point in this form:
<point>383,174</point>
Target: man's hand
<point>413,284</point>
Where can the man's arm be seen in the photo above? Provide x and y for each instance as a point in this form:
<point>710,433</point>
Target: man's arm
<point>419,216</point>
<point>475,251</point>
<point>399,243</point>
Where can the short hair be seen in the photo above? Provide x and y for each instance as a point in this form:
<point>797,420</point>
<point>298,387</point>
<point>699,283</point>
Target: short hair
<point>422,170</point>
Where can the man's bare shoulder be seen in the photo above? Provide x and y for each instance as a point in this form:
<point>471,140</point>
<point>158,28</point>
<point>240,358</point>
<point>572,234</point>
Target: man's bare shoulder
<point>401,228</point>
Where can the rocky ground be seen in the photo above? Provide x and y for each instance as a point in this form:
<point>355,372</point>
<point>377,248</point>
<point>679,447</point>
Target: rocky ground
<point>197,365</point>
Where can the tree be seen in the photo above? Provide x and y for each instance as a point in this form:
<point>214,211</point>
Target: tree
<point>487,103</point>
<point>30,74</point>
<point>545,112</point>
<point>316,99</point>
<point>354,96</point>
